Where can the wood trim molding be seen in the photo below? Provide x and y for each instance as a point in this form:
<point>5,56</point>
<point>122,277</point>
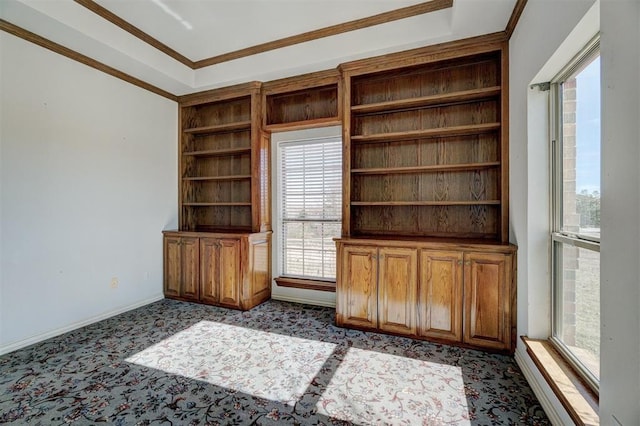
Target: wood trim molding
<point>135,31</point>
<point>301,82</point>
<point>306,284</point>
<point>574,395</point>
<point>381,18</point>
<point>79,57</point>
<point>227,92</point>
<point>357,24</point>
<point>426,54</point>
<point>515,16</point>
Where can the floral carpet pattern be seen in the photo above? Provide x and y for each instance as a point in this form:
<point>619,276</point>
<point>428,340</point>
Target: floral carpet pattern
<point>179,363</point>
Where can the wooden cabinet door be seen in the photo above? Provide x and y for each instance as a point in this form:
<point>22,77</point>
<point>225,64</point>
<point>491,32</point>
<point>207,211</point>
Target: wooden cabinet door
<point>440,295</point>
<point>229,275</point>
<point>397,290</point>
<point>487,300</point>
<point>356,291</point>
<point>172,260</point>
<point>190,265</point>
<point>209,283</point>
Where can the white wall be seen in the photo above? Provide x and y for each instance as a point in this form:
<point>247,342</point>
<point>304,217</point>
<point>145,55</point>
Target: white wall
<point>88,168</point>
<point>548,35</point>
<point>620,247</point>
<point>544,40</point>
<point>531,47</point>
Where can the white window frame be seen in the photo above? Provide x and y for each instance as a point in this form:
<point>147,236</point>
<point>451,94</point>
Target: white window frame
<point>277,139</point>
<point>558,235</point>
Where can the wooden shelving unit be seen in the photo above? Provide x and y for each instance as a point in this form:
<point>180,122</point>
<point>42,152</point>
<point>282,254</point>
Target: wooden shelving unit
<point>302,102</point>
<point>221,253</point>
<point>426,146</point>
<point>216,152</point>
<point>220,165</point>
<point>424,249</point>
<point>219,128</point>
<point>425,101</point>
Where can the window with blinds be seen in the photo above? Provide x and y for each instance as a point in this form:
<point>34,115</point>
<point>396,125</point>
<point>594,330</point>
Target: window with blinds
<point>310,201</point>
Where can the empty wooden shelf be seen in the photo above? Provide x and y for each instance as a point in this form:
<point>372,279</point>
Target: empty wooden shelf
<point>221,252</point>
<point>424,250</point>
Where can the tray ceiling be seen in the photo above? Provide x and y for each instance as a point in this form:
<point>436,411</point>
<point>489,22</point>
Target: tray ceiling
<point>201,29</point>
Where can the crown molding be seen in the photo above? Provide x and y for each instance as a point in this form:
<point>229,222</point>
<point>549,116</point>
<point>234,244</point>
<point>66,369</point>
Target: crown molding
<point>34,38</point>
<point>135,31</point>
<point>515,16</point>
<point>358,24</point>
<point>381,18</point>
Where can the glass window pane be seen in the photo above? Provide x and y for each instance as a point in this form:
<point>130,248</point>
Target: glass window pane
<point>581,151</point>
<point>310,197</point>
<point>576,215</point>
<point>579,304</point>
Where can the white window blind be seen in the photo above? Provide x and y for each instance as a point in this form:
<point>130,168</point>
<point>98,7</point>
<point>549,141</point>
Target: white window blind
<point>310,193</point>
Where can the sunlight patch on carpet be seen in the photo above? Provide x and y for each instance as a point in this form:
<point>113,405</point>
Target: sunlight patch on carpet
<point>377,388</point>
<point>266,365</point>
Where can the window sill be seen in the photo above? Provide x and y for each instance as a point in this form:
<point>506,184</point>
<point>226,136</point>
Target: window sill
<point>306,284</point>
<point>576,397</point>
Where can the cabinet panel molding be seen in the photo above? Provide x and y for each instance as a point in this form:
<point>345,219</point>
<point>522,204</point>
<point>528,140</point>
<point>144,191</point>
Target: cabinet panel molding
<point>487,300</point>
<point>209,289</point>
<point>397,290</point>
<point>229,272</point>
<point>357,297</point>
<point>440,294</point>
<point>190,268</point>
<point>172,268</point>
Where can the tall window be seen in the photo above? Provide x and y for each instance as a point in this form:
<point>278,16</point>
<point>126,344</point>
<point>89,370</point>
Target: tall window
<point>309,207</point>
<point>576,213</point>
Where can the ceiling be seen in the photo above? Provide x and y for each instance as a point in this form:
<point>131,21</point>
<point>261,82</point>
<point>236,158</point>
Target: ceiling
<point>196,30</point>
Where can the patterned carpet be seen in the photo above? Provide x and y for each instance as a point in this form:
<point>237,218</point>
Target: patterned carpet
<point>281,363</point>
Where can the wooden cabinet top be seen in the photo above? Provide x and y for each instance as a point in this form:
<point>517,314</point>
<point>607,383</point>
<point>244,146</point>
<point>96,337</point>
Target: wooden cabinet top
<point>177,233</point>
<point>433,243</point>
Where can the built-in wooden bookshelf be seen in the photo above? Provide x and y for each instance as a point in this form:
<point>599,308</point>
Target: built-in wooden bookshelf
<point>221,253</point>
<point>426,146</point>
<point>220,161</point>
<point>302,102</point>
<point>424,249</point>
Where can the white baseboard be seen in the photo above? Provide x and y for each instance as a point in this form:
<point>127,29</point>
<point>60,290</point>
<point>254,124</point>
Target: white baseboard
<point>53,333</point>
<point>554,411</point>
<point>327,304</point>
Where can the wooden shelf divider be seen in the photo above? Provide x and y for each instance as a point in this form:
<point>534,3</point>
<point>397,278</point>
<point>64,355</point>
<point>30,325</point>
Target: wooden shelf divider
<point>424,169</point>
<point>216,152</point>
<point>426,101</point>
<point>426,203</point>
<point>219,128</point>
<point>207,178</point>
<point>440,132</point>
<point>304,124</point>
<point>215,204</point>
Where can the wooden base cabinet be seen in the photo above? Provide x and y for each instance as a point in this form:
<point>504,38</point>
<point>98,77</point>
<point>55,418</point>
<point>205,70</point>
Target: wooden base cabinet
<point>382,289</point>
<point>357,303</point>
<point>397,289</point>
<point>181,260</point>
<point>488,299</point>
<point>231,270</point>
<point>453,293</point>
<point>440,295</point>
